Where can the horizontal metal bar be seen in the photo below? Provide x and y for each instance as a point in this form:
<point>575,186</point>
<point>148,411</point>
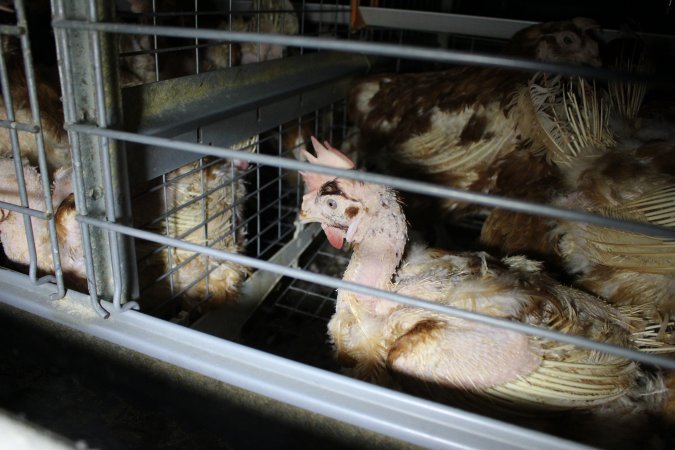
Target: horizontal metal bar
<point>226,7</point>
<point>437,22</point>
<point>372,48</point>
<point>12,30</point>
<point>475,26</point>
<point>398,183</point>
<point>410,419</point>
<point>159,51</point>
<point>27,211</point>
<point>406,300</point>
<point>30,128</point>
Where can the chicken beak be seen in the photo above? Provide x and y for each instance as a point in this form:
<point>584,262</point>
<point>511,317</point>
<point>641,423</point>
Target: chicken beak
<point>305,217</point>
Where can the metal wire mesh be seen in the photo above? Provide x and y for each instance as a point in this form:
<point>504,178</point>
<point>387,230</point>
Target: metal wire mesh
<point>147,57</point>
<point>269,202</point>
<point>309,299</point>
<point>230,205</point>
<point>249,208</point>
<point>32,244</point>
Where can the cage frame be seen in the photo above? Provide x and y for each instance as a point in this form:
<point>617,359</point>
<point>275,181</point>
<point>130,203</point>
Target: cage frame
<point>395,414</point>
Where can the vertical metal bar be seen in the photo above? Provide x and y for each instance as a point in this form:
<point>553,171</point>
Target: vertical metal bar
<point>234,173</point>
<point>104,150</point>
<point>299,183</point>
<point>167,230</point>
<point>102,190</point>
<point>258,18</point>
<point>70,114</point>
<point>196,38</point>
<point>42,160</point>
<point>398,60</point>
<point>302,24</point>
<point>229,27</point>
<point>16,152</point>
<point>257,199</point>
<point>280,149</point>
<point>205,218</point>
<point>321,30</point>
<point>154,40</point>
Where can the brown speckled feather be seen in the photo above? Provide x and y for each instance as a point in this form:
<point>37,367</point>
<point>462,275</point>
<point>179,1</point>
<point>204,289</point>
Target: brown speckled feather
<point>453,126</point>
<point>609,169</point>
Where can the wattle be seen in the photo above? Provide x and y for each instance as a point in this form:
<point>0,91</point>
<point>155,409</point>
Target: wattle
<point>335,235</point>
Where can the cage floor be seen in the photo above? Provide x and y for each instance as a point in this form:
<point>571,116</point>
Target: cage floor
<point>291,322</point>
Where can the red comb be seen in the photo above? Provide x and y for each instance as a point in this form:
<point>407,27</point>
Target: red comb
<point>325,156</point>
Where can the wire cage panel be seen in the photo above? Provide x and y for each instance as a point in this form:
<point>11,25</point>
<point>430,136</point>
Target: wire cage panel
<point>186,124</point>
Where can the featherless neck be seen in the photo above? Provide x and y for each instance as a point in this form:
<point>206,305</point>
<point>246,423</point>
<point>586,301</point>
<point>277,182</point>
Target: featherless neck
<point>377,255</point>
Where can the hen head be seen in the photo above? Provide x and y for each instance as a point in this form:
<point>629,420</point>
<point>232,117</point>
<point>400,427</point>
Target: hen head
<point>339,204</point>
<point>567,42</point>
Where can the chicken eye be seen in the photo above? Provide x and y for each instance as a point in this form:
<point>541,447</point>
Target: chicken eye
<point>568,40</point>
<point>332,204</point>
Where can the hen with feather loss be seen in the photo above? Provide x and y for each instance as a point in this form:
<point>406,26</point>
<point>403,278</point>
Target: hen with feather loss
<point>389,343</point>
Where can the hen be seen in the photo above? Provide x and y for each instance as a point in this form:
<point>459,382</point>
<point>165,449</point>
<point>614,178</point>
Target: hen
<point>614,172</point>
<point>278,17</point>
<point>203,203</point>
<point>456,127</point>
<point>13,231</point>
<point>140,63</point>
<point>204,206</point>
<point>394,344</point>
<point>273,16</point>
<point>50,121</point>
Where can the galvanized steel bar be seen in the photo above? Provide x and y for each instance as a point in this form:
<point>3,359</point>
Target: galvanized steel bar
<point>370,48</point>
<point>474,26</point>
<point>27,127</point>
<point>18,167</point>
<point>70,110</point>
<point>40,143</point>
<point>119,270</point>
<point>12,30</point>
<point>399,183</point>
<point>25,210</point>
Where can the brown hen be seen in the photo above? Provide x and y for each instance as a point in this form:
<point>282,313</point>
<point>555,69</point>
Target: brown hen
<point>456,127</point>
<point>613,171</point>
